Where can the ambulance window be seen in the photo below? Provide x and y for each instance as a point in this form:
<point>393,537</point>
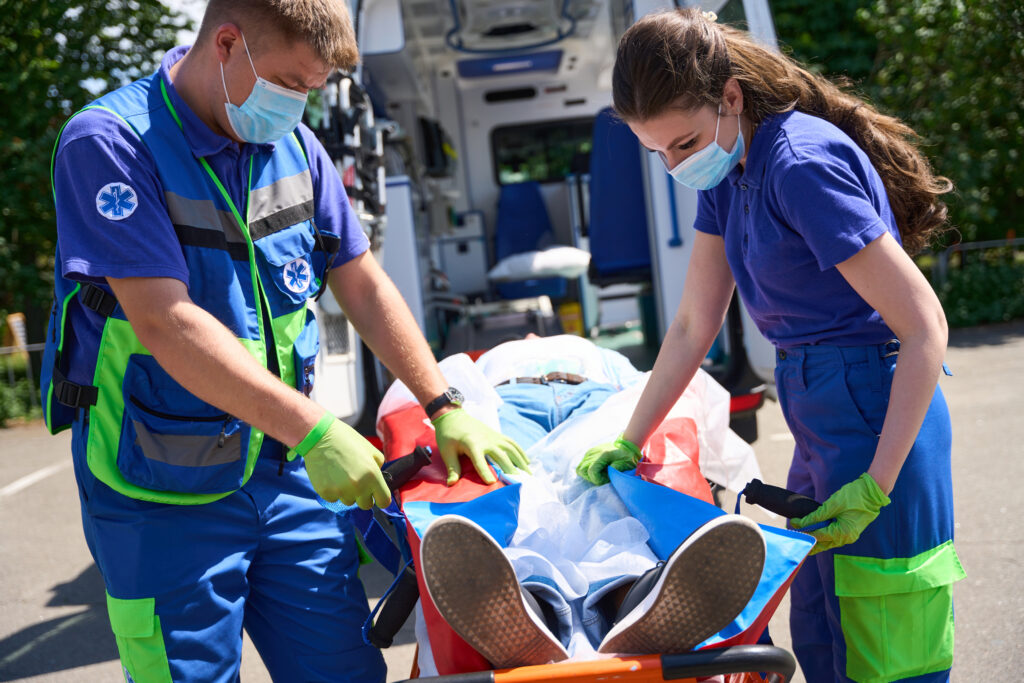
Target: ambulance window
<point>546,152</point>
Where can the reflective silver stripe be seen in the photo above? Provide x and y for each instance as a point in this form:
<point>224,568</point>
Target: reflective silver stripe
<point>280,195</point>
<point>281,204</point>
<point>188,450</point>
<point>204,215</point>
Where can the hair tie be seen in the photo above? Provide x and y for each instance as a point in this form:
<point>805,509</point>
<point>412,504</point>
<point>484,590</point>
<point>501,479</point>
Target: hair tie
<point>710,16</point>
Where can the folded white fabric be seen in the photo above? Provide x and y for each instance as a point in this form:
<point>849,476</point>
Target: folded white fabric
<point>567,262</point>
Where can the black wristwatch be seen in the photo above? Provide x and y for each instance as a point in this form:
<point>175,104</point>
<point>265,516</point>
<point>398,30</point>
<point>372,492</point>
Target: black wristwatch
<point>450,397</point>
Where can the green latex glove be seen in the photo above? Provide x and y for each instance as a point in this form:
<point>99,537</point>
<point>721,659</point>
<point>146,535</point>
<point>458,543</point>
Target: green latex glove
<point>459,433</point>
<point>619,454</point>
<point>344,466</point>
<point>853,507</point>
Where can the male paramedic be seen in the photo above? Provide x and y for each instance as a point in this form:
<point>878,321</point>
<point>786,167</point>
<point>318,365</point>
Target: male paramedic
<point>196,217</point>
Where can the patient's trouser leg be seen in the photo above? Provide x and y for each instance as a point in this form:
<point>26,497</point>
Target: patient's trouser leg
<point>530,411</point>
<point>879,608</point>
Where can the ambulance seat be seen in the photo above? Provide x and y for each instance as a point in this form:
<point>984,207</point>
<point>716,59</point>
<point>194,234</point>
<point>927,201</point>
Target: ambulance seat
<point>523,225</point>
<point>619,246</point>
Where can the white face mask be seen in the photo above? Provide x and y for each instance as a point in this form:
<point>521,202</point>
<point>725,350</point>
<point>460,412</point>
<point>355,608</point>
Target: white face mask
<point>269,112</point>
<point>708,167</point>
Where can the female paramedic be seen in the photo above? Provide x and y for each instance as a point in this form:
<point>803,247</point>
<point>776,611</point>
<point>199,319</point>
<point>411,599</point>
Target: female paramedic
<point>809,203</point>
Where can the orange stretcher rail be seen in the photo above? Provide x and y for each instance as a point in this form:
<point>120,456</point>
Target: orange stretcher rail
<point>744,660</point>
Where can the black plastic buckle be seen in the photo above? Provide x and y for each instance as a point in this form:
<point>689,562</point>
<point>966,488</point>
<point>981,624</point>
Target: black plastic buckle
<point>75,395</point>
<point>97,300</point>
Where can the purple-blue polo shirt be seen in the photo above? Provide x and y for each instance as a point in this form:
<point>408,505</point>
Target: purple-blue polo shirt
<point>807,200</point>
<point>97,149</point>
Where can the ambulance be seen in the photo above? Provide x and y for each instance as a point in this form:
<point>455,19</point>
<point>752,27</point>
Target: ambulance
<point>478,146</point>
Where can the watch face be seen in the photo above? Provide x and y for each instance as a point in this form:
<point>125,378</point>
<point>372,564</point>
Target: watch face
<point>455,396</point>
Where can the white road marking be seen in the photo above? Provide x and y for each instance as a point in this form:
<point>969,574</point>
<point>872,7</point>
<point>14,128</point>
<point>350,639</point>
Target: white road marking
<point>35,477</point>
<point>48,635</point>
<point>781,436</point>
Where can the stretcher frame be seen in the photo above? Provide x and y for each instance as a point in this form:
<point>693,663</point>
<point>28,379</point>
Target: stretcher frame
<point>737,663</point>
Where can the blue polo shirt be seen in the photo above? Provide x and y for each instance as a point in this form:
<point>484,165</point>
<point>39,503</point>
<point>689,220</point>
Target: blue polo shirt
<point>807,199</point>
<point>97,149</point>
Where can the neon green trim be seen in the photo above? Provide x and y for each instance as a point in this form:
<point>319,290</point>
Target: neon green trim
<point>48,402</point>
<point>140,640</point>
<point>364,555</point>
<point>170,107</point>
<point>117,344</point>
<point>897,624</point>
<point>257,286</point>
<point>866,576</point>
<point>286,330</point>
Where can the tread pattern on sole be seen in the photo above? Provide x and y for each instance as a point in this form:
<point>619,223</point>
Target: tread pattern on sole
<point>703,591</point>
<point>475,589</point>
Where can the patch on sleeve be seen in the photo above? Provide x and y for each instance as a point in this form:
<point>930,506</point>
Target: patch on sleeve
<point>116,201</point>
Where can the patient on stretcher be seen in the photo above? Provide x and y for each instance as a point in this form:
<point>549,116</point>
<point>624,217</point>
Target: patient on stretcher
<point>577,577</point>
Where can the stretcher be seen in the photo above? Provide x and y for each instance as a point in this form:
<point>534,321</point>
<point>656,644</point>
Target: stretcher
<point>418,481</point>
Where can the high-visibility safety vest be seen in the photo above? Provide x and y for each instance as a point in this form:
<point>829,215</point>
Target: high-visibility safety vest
<point>252,267</point>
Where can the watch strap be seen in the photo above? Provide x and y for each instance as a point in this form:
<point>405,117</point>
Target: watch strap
<point>441,401</point>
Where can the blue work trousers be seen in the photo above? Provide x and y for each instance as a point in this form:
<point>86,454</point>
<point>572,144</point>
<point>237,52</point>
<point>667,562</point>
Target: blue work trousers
<point>184,580</point>
<point>895,581</point>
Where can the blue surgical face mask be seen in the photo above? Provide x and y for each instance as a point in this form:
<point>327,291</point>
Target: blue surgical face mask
<point>269,112</point>
<point>708,167</point>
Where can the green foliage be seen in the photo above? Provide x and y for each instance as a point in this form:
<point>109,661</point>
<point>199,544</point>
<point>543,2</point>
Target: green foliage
<point>16,402</point>
<point>56,56</point>
<point>826,36</point>
<point>984,291</point>
<point>952,70</point>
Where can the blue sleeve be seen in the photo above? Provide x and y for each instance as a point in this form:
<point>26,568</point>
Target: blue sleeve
<point>707,218</point>
<point>112,220</point>
<point>825,200</point>
<point>333,213</point>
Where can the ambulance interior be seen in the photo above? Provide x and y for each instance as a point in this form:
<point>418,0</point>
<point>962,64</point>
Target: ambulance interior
<point>478,146</point>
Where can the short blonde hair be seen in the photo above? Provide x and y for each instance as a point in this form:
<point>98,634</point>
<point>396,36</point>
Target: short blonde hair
<point>324,25</point>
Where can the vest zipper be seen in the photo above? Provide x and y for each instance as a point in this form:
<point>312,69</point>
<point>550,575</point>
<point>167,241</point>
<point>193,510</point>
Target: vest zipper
<point>223,417</point>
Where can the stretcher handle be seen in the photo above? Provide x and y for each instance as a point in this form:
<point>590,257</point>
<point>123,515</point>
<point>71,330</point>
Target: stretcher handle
<point>396,610</point>
<point>727,660</point>
<point>399,471</point>
<point>776,662</point>
<point>779,500</point>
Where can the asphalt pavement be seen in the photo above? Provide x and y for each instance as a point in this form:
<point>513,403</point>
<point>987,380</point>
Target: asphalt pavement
<point>53,624</point>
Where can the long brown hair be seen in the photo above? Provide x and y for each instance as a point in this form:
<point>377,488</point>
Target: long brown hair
<point>682,59</point>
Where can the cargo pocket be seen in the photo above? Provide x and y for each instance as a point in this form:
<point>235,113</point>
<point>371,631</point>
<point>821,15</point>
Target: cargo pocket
<point>897,614</point>
<point>140,642</point>
<point>288,262</point>
<point>305,350</point>
<point>173,441</point>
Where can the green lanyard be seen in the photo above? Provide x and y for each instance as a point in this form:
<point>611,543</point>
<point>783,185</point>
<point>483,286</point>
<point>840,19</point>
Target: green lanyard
<point>256,284</point>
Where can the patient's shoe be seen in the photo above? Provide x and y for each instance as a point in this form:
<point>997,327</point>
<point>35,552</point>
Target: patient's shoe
<point>475,589</point>
<point>697,592</point>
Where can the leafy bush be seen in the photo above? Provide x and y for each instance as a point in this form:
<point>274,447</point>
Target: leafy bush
<point>55,57</point>
<point>16,402</point>
<point>826,36</point>
<point>952,70</point>
<point>983,291</point>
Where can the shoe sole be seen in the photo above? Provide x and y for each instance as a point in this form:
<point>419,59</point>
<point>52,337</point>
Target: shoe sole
<point>706,583</point>
<point>475,589</point>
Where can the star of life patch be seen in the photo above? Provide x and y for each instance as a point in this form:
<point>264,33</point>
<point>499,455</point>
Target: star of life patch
<point>297,275</point>
<point>116,201</point>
